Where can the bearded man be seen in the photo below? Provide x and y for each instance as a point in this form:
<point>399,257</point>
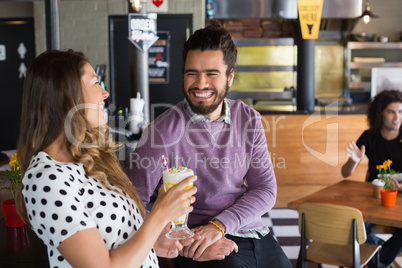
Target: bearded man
<point>223,142</point>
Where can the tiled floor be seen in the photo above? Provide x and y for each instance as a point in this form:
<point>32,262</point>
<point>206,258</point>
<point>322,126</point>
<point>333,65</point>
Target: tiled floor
<point>284,226</point>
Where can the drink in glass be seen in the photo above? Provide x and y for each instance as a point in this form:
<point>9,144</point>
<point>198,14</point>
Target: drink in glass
<point>171,177</point>
<point>378,185</point>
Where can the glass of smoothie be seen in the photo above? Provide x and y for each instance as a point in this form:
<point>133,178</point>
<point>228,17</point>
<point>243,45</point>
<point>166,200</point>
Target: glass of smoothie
<point>171,177</point>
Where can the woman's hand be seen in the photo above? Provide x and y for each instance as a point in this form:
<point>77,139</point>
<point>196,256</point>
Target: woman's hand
<point>169,248</point>
<point>177,201</point>
<point>165,247</point>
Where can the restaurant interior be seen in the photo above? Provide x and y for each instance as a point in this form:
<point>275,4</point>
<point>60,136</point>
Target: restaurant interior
<point>312,94</point>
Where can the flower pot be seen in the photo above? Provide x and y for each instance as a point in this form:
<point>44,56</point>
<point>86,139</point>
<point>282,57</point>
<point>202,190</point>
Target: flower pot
<point>388,197</point>
<point>10,214</point>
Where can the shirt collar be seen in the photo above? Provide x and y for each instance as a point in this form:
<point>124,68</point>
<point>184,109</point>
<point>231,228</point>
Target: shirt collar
<point>202,118</point>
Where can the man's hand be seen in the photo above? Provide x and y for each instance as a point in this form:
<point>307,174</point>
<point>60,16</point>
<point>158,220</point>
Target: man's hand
<point>354,152</point>
<point>209,234</point>
<point>397,184</point>
<point>355,156</point>
<point>218,250</point>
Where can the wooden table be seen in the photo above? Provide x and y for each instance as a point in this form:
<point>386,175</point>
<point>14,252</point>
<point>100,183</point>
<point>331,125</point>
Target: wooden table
<point>358,195</point>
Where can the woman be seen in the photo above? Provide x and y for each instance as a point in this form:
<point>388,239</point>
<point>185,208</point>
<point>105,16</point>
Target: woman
<point>74,193</point>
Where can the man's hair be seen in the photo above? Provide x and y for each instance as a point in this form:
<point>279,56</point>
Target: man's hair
<point>213,37</point>
<point>377,106</point>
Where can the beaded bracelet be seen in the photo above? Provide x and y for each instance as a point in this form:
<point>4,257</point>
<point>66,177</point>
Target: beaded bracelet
<point>217,226</point>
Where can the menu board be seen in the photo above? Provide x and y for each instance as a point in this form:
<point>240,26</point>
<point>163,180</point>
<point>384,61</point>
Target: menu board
<point>159,59</point>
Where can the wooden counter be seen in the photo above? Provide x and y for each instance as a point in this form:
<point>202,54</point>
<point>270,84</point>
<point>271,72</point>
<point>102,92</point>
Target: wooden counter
<point>308,151</point>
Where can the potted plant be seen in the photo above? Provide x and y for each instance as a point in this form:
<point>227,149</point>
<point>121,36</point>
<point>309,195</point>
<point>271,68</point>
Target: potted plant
<point>389,193</point>
<point>10,182</point>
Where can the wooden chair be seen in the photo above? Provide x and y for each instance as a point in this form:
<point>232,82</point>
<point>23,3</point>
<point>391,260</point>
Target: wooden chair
<point>336,236</point>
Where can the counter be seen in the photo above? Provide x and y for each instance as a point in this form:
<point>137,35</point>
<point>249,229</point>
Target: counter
<point>284,101</point>
<point>308,150</point>
<point>292,109</point>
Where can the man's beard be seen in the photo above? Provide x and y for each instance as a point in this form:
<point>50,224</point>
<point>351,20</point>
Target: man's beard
<point>199,108</point>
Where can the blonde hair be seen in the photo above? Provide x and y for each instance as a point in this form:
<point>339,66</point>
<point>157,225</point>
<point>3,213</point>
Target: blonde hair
<point>52,89</point>
<point>101,162</point>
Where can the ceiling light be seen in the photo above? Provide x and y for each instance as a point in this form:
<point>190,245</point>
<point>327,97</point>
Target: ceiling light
<point>136,5</point>
<point>367,15</point>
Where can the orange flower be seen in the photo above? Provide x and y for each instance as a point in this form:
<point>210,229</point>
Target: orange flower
<point>387,163</point>
<point>14,161</point>
<point>11,178</point>
<point>380,166</point>
<point>386,173</point>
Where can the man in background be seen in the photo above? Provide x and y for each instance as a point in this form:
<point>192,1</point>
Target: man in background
<point>382,141</point>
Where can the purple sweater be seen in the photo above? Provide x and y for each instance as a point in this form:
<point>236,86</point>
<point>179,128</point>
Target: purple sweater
<point>221,155</point>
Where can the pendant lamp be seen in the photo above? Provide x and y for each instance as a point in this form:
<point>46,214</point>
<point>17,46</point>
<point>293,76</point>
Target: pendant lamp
<point>367,15</point>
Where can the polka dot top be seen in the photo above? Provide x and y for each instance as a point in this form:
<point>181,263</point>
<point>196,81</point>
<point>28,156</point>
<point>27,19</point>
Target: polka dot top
<point>62,200</point>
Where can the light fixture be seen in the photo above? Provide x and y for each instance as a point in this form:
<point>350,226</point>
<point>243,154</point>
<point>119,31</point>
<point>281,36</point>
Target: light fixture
<point>136,5</point>
<point>367,15</point>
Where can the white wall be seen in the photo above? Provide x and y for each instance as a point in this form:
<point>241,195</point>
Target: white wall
<point>16,9</point>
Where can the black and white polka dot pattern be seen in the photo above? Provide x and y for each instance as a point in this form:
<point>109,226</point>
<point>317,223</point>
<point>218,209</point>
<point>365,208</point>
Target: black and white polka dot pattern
<point>62,200</point>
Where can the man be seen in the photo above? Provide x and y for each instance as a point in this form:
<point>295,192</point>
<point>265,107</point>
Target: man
<point>223,141</point>
<point>380,142</point>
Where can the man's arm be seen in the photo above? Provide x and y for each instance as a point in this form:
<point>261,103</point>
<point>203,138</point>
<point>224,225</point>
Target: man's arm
<point>355,155</point>
<point>261,190</point>
<point>260,195</point>
<point>210,243</point>
<point>144,168</point>
<point>209,236</point>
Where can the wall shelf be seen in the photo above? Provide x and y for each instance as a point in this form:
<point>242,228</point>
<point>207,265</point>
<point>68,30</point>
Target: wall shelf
<point>358,74</point>
<point>367,65</point>
<point>265,65</point>
<point>265,68</point>
<point>374,45</point>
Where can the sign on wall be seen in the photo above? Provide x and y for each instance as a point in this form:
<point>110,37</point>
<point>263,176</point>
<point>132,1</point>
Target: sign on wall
<point>142,30</point>
<point>17,51</point>
<point>159,60</point>
<point>310,17</point>
<point>157,6</point>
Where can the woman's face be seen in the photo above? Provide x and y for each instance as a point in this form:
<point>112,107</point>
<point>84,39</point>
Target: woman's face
<point>94,96</point>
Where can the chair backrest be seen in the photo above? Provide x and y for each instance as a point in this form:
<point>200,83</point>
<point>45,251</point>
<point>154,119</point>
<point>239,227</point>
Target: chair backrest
<point>331,224</point>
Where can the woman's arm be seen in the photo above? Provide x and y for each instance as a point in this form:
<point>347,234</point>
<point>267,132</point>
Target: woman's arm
<point>87,249</point>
